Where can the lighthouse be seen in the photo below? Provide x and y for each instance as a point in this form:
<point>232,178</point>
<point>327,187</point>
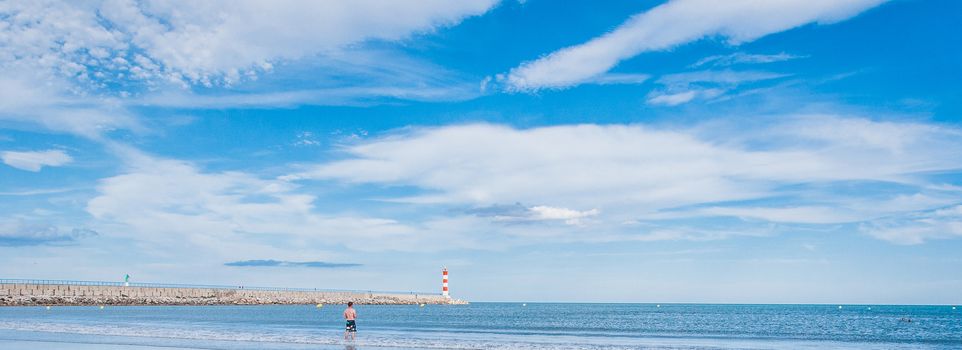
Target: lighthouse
<point>444,282</point>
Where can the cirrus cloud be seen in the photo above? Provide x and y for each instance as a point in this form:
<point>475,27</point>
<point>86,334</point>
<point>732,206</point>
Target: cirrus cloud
<point>21,233</point>
<point>281,263</point>
<point>173,203</point>
<point>917,227</point>
<point>35,160</point>
<point>185,42</point>
<point>542,213</point>
<point>632,172</point>
<point>674,23</point>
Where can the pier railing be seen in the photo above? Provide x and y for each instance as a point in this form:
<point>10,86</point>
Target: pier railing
<point>197,286</point>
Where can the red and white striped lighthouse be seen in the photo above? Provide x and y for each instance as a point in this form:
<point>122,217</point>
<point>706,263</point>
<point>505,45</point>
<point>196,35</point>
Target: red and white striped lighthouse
<point>444,282</point>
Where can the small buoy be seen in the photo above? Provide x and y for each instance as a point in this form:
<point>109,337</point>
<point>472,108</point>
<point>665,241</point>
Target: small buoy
<point>953,308</point>
<point>101,307</point>
<point>320,306</point>
<point>869,307</point>
<point>524,304</point>
<point>659,305</point>
<point>48,308</point>
<point>840,306</point>
<point>422,305</point>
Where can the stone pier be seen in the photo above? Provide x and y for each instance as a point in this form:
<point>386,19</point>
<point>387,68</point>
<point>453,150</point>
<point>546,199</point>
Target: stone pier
<point>51,294</point>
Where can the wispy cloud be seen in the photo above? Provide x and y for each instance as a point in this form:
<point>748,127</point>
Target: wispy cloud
<point>211,43</point>
<point>19,233</point>
<point>717,77</point>
<point>38,100</point>
<point>796,214</point>
<point>335,96</point>
<point>84,68</point>
<point>631,171</point>
<point>281,263</point>
<point>354,77</point>
<point>917,227</point>
<point>742,58</point>
<point>35,160</point>
<point>172,202</point>
<point>539,213</point>
<point>35,192</point>
<point>677,98</point>
<point>306,139</point>
<point>675,23</point>
<point>498,81</point>
<point>680,88</point>
<point>619,78</point>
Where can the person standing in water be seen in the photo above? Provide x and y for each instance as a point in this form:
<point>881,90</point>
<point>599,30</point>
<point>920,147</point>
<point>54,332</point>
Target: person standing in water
<point>351,316</point>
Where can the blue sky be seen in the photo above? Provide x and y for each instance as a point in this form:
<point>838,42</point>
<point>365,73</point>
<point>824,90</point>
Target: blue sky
<point>636,151</point>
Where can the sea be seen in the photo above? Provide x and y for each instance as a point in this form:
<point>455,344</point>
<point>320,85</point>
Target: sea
<point>484,326</point>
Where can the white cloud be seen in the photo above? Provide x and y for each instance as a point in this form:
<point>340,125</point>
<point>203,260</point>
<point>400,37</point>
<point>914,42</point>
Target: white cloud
<point>23,233</point>
<point>894,137</point>
<point>680,88</point>
<point>35,160</point>
<point>619,78</point>
<point>306,138</point>
<point>543,213</point>
<point>633,171</point>
<point>582,157</point>
<point>717,77</point>
<point>335,96</point>
<point>170,204</point>
<point>215,42</point>
<point>570,216</point>
<point>344,77</point>
<point>50,104</point>
<point>743,58</point>
<point>35,192</point>
<point>672,24</point>
<point>673,99</point>
<point>915,228</point>
<point>76,67</point>
<point>833,209</point>
<point>801,215</point>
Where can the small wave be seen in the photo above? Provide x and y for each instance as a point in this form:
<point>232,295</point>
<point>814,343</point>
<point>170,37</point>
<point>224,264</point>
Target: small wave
<point>380,339</point>
<point>261,336</point>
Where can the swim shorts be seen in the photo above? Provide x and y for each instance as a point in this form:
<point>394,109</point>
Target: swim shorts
<point>351,326</point>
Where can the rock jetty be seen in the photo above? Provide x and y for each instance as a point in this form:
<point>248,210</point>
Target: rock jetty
<point>37,294</point>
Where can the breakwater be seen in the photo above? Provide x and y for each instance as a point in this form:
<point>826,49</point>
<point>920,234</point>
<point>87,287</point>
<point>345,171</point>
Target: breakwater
<point>31,294</point>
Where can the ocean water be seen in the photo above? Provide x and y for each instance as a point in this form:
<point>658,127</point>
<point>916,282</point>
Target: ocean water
<point>486,326</point>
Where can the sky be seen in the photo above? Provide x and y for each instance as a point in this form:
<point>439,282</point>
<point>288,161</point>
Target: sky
<point>791,151</point>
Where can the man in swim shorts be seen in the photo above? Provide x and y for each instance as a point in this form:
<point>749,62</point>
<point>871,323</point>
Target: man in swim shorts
<point>351,316</point>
